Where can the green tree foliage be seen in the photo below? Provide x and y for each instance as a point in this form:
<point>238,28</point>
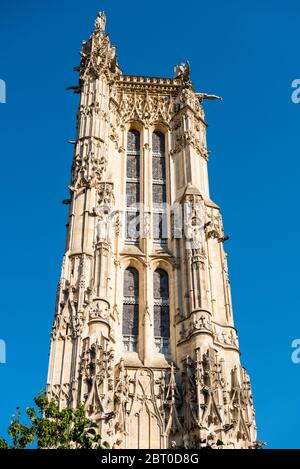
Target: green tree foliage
<point>50,427</point>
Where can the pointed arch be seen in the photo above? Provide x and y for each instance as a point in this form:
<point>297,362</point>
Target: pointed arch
<point>161,312</point>
<point>159,188</point>
<point>130,320</point>
<point>132,186</point>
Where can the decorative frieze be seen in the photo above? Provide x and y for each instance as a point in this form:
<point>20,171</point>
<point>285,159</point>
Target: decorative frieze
<point>148,108</point>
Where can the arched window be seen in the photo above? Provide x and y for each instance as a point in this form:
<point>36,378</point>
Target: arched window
<point>132,186</point>
<point>130,324</point>
<point>159,195</point>
<point>161,311</point>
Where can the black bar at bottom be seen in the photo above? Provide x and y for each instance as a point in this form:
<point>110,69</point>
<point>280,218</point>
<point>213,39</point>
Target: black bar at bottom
<point>136,458</point>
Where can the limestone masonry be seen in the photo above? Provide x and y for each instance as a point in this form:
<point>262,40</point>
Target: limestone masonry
<point>143,331</point>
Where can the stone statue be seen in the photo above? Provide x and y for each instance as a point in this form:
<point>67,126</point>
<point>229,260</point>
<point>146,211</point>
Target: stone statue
<point>102,229</point>
<point>100,22</point>
<point>198,235</point>
<point>182,70</point>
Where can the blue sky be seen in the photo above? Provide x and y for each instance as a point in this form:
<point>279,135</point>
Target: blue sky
<point>248,53</point>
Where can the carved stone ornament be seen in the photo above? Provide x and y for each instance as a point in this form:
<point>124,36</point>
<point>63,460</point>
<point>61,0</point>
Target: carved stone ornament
<point>147,108</point>
<point>99,310</point>
<point>100,22</point>
<point>106,194</point>
<point>213,225</point>
<point>89,164</point>
<point>218,408</point>
<point>97,55</point>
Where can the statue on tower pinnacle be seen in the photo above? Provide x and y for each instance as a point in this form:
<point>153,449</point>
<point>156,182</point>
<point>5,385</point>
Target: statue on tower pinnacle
<point>182,70</point>
<point>100,22</point>
<point>97,55</point>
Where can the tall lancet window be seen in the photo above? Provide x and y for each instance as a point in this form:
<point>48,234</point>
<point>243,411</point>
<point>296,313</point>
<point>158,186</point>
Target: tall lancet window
<point>159,193</point>
<point>161,311</point>
<point>132,187</point>
<point>130,324</point>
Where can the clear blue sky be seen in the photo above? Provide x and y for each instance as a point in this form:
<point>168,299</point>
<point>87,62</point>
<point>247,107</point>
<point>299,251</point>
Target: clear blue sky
<point>245,51</point>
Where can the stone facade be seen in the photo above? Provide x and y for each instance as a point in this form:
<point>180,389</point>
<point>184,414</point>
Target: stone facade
<point>143,331</point>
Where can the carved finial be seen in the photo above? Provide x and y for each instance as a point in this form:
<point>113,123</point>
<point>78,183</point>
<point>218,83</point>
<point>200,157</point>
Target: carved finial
<point>100,22</point>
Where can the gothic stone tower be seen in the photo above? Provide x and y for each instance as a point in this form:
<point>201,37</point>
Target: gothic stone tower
<point>143,331</point>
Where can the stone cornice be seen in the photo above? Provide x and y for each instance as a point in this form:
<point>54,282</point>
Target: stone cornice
<point>131,82</point>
